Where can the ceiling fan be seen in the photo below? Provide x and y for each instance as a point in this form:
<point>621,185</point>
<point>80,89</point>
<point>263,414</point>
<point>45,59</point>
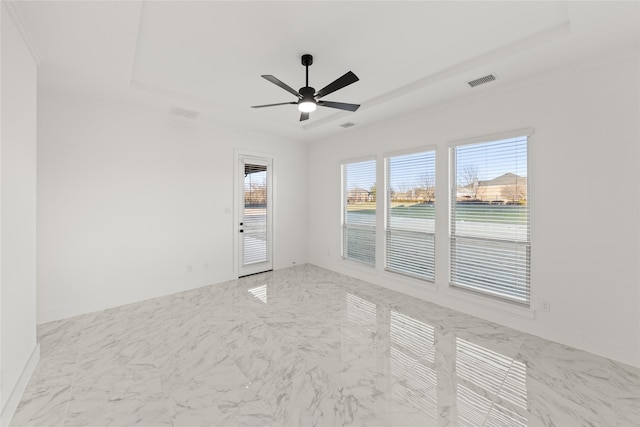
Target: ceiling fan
<point>307,96</point>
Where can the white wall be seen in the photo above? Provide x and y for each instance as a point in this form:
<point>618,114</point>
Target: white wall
<point>18,215</point>
<point>585,247</point>
<point>127,199</point>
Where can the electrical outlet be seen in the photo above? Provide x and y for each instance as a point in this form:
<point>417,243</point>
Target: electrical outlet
<point>188,268</point>
<point>545,305</point>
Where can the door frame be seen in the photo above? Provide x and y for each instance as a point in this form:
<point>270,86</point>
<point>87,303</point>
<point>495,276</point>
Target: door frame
<point>238,184</point>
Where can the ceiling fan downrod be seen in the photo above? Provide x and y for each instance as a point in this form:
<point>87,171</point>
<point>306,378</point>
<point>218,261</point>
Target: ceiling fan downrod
<point>306,61</point>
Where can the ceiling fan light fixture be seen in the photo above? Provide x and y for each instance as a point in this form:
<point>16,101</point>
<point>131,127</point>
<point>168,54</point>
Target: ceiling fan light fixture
<point>307,106</point>
<point>308,99</point>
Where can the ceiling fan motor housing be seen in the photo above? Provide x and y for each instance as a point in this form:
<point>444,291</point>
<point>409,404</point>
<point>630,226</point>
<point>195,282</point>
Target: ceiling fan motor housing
<point>307,59</point>
<point>307,94</point>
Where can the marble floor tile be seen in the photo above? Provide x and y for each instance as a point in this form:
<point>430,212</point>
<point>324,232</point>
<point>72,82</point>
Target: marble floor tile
<point>61,336</point>
<point>305,346</point>
<point>43,406</point>
<point>117,409</point>
<point>627,411</point>
<point>566,385</point>
<point>625,381</point>
<point>220,395</point>
<point>45,401</point>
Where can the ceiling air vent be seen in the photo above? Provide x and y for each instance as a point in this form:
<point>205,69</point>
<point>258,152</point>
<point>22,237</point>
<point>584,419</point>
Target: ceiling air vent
<point>347,125</point>
<point>482,80</point>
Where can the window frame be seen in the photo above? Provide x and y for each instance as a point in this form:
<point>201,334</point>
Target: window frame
<point>525,132</point>
<point>387,204</point>
<point>343,210</point>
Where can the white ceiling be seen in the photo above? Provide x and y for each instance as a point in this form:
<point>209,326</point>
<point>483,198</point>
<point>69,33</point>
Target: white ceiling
<point>208,56</point>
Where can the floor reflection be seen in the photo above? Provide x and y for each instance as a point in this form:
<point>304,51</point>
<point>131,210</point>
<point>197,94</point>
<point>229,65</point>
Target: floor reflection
<point>412,360</point>
<point>479,386</point>
<point>325,350</point>
<point>361,312</point>
<point>259,292</point>
<point>487,383</point>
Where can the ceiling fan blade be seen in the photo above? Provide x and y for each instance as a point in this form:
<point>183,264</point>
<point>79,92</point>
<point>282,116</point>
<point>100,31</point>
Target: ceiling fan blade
<point>284,86</point>
<point>272,105</point>
<point>339,105</point>
<point>304,116</point>
<point>339,83</point>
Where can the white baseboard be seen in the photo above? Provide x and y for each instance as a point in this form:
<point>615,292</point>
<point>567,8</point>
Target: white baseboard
<point>16,394</point>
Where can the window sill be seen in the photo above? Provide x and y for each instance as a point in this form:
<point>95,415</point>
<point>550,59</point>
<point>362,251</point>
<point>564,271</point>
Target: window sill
<point>488,302</point>
<point>358,266</point>
<point>414,283</point>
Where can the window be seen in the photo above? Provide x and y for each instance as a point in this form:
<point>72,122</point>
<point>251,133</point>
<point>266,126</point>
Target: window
<point>410,214</point>
<point>490,228</point>
<point>359,211</point>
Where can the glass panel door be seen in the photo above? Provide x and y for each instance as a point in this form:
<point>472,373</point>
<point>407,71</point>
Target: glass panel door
<point>255,216</point>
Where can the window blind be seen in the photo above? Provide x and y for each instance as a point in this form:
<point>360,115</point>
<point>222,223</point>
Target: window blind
<point>410,214</point>
<point>359,211</point>
<point>490,224</point>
